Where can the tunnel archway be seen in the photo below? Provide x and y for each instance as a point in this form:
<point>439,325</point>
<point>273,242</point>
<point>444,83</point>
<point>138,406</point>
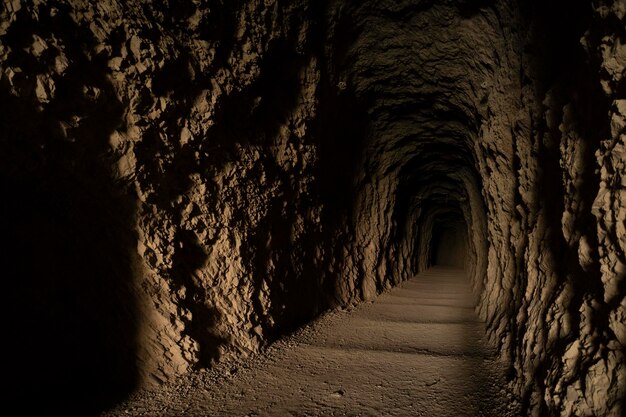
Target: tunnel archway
<point>449,241</point>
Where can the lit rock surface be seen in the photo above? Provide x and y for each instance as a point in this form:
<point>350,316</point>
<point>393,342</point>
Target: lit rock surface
<point>417,350</point>
<point>183,182</point>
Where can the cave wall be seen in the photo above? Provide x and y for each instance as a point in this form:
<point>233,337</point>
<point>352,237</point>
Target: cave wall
<point>184,182</point>
<point>554,296</point>
<point>159,172</point>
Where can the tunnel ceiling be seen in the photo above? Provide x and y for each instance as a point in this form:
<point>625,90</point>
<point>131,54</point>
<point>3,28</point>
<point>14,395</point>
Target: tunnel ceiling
<point>422,69</point>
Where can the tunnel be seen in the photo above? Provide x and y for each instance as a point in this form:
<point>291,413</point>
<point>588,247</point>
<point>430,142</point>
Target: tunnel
<point>190,185</point>
<point>449,240</point>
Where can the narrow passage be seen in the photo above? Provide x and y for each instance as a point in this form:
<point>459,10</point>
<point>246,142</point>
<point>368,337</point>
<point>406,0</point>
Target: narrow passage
<point>417,350</point>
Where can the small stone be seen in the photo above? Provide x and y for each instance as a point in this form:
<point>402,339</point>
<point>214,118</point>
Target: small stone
<point>338,394</point>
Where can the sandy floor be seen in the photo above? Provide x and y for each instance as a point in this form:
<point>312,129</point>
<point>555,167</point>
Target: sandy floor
<point>417,350</point>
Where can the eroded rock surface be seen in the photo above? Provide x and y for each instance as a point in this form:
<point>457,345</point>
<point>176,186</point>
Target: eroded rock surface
<point>183,182</point>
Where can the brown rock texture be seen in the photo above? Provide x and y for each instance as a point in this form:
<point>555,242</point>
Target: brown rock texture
<point>184,182</point>
<point>159,166</point>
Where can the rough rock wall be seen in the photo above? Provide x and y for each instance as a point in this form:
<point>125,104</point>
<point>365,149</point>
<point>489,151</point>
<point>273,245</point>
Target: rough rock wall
<point>182,182</point>
<point>159,168</point>
<point>495,111</point>
<point>408,65</point>
<point>554,296</point>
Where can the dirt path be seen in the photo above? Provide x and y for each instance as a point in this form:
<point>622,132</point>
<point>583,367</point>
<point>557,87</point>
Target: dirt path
<point>417,350</point>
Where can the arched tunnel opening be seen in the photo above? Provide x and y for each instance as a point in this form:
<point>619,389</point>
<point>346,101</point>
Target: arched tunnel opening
<point>190,185</point>
<point>449,241</point>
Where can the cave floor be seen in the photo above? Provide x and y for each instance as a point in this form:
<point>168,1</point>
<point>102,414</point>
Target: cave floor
<point>416,350</point>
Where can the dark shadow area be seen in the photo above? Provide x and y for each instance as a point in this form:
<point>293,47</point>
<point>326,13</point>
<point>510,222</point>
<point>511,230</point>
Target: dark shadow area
<point>254,115</point>
<point>342,130</point>
<point>449,241</point>
<point>282,262</point>
<point>187,260</point>
<point>470,8</point>
<point>68,261</point>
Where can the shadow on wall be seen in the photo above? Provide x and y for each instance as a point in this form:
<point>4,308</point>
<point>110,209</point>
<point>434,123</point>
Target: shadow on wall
<point>250,119</point>
<point>189,258</point>
<point>67,266</point>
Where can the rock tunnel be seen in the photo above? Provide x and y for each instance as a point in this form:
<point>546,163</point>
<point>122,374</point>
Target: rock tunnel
<point>185,182</point>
